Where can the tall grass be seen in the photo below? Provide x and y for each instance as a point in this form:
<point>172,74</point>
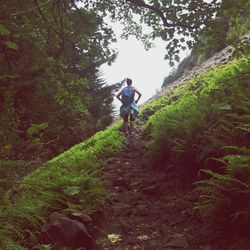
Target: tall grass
<point>67,182</point>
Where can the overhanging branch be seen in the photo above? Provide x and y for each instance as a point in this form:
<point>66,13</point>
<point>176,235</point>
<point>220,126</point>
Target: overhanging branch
<point>26,11</point>
<point>154,9</point>
<point>161,14</point>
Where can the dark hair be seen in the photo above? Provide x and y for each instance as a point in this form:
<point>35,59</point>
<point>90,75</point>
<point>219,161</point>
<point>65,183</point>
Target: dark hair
<point>129,81</point>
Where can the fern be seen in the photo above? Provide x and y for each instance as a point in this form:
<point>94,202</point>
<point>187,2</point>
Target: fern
<point>227,193</point>
<point>208,126</point>
<point>69,181</point>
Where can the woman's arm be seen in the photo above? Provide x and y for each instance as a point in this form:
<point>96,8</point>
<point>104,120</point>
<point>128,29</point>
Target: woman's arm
<point>139,95</point>
<point>118,96</point>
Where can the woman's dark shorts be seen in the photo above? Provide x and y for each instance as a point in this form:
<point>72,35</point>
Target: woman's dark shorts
<point>130,116</point>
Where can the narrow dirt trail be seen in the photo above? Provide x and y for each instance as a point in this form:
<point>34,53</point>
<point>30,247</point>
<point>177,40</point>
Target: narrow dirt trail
<point>148,208</point>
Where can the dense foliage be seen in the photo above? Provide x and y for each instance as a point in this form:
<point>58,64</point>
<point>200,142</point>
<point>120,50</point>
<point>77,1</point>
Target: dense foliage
<point>231,22</point>
<point>178,22</point>
<point>49,77</point>
<point>205,124</point>
<point>52,95</point>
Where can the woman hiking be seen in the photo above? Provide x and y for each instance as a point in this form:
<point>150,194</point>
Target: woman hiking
<point>129,109</point>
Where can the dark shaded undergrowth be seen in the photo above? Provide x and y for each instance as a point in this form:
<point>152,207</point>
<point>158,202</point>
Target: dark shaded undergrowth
<point>68,182</point>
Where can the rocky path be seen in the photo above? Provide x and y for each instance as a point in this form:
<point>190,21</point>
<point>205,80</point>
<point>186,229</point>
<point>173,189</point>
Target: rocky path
<point>148,208</point>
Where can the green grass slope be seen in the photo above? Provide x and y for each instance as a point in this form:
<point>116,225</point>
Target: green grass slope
<point>202,129</point>
<point>67,182</point>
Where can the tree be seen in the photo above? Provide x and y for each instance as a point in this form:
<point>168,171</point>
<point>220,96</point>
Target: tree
<point>50,52</point>
<point>178,22</point>
<point>230,24</point>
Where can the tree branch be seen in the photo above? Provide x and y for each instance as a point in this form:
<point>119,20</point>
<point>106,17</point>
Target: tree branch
<point>59,33</point>
<point>81,14</point>
<point>60,16</point>
<point>160,13</point>
<point>44,18</point>
<point>83,72</point>
<point>157,11</point>
<point>25,11</point>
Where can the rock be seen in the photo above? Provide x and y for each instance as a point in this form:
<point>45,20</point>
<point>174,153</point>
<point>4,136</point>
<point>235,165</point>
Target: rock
<point>119,226</point>
<point>115,228</point>
<point>152,190</point>
<point>132,155</point>
<point>141,206</point>
<point>112,160</point>
<point>136,183</point>
<point>120,182</point>
<point>207,232</point>
<point>121,207</point>
<point>160,220</point>
<point>176,242</point>
<point>140,209</point>
<point>152,245</point>
<point>217,59</point>
<point>61,231</point>
<point>83,218</point>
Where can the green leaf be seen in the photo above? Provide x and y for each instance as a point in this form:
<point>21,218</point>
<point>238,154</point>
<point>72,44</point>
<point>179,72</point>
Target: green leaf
<point>4,31</point>
<point>6,149</point>
<point>72,190</point>
<point>36,128</point>
<point>223,106</point>
<point>11,45</point>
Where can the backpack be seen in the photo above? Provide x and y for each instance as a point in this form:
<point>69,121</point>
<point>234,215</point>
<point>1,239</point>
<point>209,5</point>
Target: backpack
<point>128,95</point>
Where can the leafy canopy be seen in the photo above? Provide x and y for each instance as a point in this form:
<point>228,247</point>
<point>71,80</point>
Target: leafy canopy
<point>50,53</point>
<point>178,22</point>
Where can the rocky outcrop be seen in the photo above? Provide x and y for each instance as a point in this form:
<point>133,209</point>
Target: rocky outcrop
<point>220,58</point>
<point>67,230</point>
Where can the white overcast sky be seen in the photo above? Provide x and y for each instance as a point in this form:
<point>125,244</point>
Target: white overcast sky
<point>147,69</point>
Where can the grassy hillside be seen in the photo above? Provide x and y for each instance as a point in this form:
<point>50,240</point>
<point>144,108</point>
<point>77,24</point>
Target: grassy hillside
<point>202,129</point>
<point>67,182</point>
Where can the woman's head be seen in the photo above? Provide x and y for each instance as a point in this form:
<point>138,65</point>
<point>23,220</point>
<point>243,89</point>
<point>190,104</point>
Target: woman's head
<point>129,81</point>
